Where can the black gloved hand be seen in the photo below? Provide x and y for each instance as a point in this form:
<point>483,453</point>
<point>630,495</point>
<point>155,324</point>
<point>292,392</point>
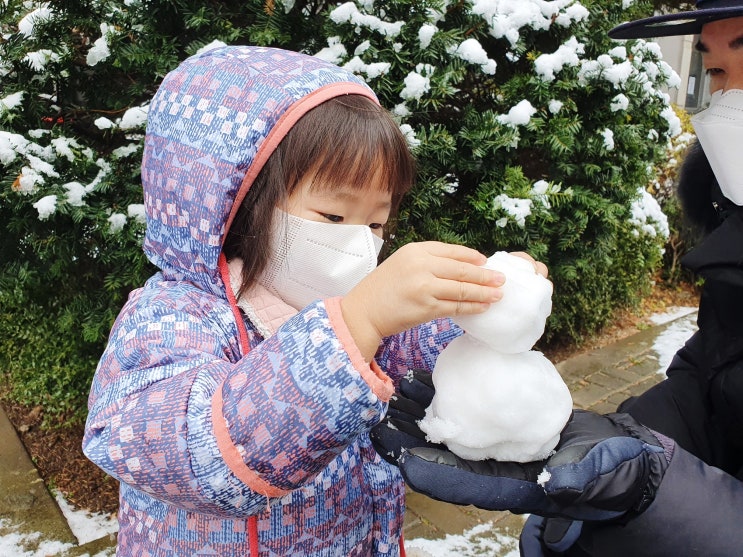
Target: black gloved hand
<point>400,427</point>
<point>604,467</point>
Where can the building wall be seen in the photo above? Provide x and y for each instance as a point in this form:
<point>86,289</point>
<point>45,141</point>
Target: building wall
<point>693,92</point>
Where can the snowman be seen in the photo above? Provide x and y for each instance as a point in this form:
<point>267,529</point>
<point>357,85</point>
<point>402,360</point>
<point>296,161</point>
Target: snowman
<point>495,397</point>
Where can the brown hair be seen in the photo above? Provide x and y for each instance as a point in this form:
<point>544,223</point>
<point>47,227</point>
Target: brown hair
<point>343,141</point>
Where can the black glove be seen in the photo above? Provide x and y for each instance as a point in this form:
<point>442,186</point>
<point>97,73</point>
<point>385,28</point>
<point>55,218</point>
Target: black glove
<point>604,467</point>
<point>400,430</point>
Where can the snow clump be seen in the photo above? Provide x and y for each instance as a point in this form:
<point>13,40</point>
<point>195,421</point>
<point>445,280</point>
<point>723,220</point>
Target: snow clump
<point>496,398</point>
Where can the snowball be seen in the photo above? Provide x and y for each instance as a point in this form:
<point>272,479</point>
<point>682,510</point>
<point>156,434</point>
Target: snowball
<point>472,51</point>
<point>554,106</point>
<point>619,102</point>
<point>334,52</point>
<point>103,123</point>
<point>416,86</point>
<point>543,477</point>
<point>514,323</point>
<point>618,52</point>
<point>401,110</point>
<point>75,193</point>
<point>488,404</point>
<point>136,211</point>
<point>28,180</point>
<point>495,398</point>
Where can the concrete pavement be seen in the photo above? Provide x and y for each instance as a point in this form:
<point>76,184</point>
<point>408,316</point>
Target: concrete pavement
<point>598,380</point>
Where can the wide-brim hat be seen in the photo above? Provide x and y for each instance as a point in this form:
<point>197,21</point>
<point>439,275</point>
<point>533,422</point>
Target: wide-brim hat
<point>681,23</point>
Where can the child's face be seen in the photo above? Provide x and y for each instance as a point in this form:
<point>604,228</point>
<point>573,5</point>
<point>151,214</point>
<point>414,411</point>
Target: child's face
<point>369,206</point>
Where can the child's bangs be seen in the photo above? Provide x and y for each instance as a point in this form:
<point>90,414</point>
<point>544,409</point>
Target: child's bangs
<point>356,143</point>
<point>362,162</point>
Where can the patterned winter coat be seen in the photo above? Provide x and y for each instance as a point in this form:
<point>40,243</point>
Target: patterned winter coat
<point>240,430</point>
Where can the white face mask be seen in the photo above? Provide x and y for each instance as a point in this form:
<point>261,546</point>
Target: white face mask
<point>720,132</point>
<point>312,260</point>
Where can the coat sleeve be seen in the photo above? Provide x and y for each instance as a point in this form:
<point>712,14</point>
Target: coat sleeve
<point>699,506</point>
<point>679,407</point>
<point>177,412</point>
<point>698,510</point>
<point>417,348</point>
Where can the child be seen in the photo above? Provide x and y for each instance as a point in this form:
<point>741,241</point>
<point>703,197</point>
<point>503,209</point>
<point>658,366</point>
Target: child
<point>234,399</point>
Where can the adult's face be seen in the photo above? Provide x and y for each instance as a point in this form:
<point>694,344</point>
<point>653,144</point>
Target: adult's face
<point>721,45</point>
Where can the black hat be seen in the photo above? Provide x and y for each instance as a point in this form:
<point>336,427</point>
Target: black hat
<point>682,23</point>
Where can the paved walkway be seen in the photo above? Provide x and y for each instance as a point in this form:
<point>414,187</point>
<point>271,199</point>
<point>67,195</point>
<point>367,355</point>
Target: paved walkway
<point>598,380</point>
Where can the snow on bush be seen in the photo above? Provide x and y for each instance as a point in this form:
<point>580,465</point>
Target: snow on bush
<point>532,129</point>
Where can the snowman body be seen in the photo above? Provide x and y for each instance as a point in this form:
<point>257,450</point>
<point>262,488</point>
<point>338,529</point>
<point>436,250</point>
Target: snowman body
<point>495,397</point>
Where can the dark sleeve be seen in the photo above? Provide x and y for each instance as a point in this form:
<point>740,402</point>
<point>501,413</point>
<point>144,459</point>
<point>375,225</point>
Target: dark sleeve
<point>678,407</point>
<point>698,510</point>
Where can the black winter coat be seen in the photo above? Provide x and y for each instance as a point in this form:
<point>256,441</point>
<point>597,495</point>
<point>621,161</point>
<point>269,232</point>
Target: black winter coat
<point>698,509</point>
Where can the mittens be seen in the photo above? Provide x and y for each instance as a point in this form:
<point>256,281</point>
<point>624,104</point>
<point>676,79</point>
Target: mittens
<point>604,467</point>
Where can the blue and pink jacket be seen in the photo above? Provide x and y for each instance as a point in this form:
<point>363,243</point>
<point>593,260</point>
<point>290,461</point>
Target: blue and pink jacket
<point>240,427</point>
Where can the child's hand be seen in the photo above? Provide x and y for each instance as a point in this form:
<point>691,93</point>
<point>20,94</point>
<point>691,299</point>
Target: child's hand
<point>539,267</point>
<point>419,282</point>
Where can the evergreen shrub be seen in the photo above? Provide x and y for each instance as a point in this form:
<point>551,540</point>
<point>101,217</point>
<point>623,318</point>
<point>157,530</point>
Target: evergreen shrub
<point>682,237</point>
<point>532,129</point>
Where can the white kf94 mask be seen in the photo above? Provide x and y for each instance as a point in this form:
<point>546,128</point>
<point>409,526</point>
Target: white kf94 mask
<point>316,260</point>
<point>720,131</point>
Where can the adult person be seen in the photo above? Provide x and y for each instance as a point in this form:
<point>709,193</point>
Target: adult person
<point>662,476</point>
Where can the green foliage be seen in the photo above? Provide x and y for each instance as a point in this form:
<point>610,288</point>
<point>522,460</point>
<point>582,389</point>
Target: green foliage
<point>535,137</point>
<point>561,186</point>
<point>681,237</point>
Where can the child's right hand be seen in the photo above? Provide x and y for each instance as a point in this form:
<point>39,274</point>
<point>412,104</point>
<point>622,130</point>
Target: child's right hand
<point>419,282</point>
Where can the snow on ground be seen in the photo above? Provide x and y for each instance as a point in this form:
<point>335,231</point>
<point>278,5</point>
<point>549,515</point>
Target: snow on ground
<point>479,541</point>
<point>671,314</point>
<point>85,526</point>
<point>676,334</point>
<point>15,544</point>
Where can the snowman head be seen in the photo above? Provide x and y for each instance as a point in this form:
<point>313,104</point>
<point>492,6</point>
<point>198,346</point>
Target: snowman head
<point>516,321</point>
